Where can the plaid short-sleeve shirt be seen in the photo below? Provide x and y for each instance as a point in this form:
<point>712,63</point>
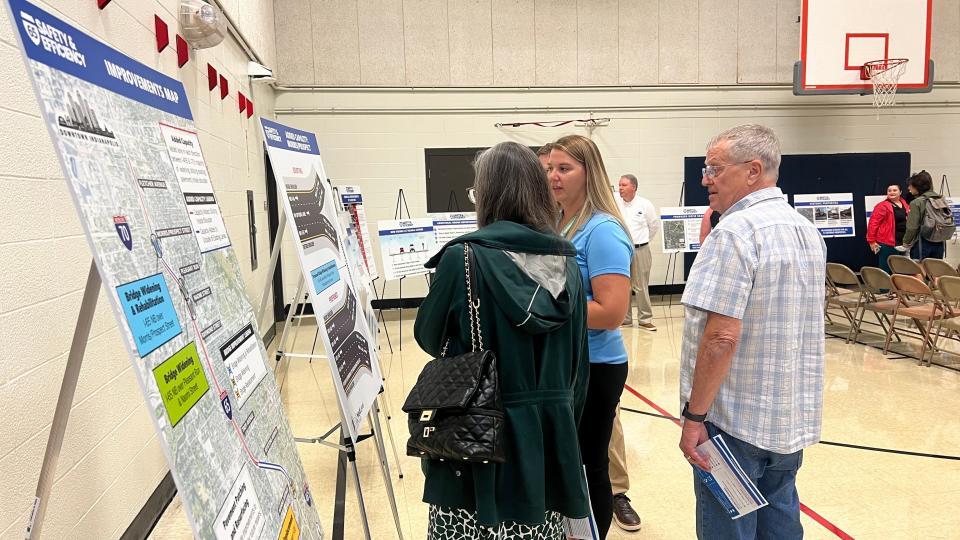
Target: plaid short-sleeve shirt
<point>763,264</point>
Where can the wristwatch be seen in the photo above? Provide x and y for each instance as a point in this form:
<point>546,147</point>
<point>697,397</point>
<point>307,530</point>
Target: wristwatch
<point>690,416</point>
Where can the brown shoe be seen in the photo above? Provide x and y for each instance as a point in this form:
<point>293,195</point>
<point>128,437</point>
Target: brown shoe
<point>649,327</point>
<point>624,514</point>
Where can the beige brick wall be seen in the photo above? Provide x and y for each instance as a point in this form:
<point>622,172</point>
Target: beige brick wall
<point>111,460</point>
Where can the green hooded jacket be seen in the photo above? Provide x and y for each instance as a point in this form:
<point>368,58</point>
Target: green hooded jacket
<point>533,317</point>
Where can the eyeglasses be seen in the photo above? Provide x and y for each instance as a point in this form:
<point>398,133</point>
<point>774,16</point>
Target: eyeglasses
<point>472,195</point>
<point>713,171</point>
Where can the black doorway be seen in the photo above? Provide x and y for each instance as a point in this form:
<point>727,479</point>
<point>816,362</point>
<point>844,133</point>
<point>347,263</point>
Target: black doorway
<point>273,223</point>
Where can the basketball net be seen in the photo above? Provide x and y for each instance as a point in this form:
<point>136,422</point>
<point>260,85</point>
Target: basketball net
<point>884,75</point>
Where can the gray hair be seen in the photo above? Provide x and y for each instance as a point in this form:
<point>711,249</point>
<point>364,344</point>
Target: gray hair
<point>632,179</point>
<point>749,142</point>
<point>512,186</point>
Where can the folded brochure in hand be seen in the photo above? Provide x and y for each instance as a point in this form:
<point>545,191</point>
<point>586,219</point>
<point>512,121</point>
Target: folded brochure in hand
<point>727,480</point>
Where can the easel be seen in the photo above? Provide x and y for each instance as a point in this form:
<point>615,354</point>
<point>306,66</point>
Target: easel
<point>346,445</point>
<point>68,389</point>
<point>672,261</point>
<point>453,203</point>
<point>373,284</point>
<point>397,214</point>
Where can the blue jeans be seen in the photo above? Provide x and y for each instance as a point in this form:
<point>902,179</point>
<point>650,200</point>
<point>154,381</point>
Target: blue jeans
<point>935,250</point>
<point>775,476</point>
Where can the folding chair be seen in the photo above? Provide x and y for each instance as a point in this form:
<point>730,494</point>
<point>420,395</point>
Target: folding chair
<point>915,300</point>
<point>950,321</point>
<point>842,278</point>
<point>937,268</point>
<point>904,265</point>
<point>878,299</point>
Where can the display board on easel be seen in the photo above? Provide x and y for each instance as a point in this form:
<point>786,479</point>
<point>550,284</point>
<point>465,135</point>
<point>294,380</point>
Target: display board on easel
<point>352,200</point>
<point>132,159</point>
<point>311,213</point>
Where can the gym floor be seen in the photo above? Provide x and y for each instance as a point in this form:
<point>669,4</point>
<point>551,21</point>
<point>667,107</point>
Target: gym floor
<point>888,407</point>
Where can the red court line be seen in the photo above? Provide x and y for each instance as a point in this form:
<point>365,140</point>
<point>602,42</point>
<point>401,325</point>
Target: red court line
<point>803,508</point>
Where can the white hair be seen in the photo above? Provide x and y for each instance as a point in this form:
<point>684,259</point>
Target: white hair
<point>749,142</point>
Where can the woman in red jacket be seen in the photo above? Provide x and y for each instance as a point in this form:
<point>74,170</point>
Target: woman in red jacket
<point>887,225</point>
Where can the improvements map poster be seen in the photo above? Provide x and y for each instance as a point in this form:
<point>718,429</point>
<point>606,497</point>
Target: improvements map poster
<point>832,213</point>
<point>127,146</point>
<point>681,228</point>
<point>352,200</point>
<point>312,218</point>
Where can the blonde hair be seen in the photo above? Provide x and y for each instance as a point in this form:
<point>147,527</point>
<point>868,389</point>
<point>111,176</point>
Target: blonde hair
<point>599,194</point>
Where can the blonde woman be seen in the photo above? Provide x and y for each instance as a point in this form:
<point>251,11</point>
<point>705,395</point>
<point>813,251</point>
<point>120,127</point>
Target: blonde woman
<point>591,220</point>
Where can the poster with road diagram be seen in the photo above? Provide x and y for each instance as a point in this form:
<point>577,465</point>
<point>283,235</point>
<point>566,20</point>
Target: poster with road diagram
<point>312,217</point>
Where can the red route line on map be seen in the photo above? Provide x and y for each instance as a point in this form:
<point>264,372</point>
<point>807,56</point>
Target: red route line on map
<point>199,334</point>
<point>804,508</point>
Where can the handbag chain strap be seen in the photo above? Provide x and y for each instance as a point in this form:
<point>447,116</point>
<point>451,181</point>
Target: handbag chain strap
<point>473,309</point>
<point>473,302</point>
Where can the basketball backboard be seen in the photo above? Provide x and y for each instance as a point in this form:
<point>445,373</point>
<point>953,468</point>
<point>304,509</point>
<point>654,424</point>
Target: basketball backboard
<point>838,36</point>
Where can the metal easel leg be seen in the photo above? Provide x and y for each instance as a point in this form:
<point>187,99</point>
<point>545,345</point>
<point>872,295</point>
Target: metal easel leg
<point>380,318</point>
<point>385,467</point>
<point>274,257</point>
<point>65,400</point>
<point>286,324</point>
<point>382,398</point>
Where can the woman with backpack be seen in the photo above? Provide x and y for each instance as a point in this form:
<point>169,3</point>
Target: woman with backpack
<point>930,222</point>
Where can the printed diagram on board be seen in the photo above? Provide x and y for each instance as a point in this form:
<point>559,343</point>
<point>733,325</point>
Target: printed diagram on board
<point>318,234</point>
<point>140,184</point>
<point>312,225</point>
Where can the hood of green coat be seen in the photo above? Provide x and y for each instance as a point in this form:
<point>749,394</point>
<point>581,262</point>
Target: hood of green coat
<point>526,273</point>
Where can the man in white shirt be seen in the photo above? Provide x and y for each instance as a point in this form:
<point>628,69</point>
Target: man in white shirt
<point>641,217</point>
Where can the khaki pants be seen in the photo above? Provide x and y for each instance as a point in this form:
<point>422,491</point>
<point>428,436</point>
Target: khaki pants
<point>619,480</point>
<point>641,294</point>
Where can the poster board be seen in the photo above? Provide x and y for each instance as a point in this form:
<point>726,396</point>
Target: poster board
<point>129,151</point>
<point>352,200</point>
<point>831,213</point>
<point>681,228</point>
<point>312,219</point>
<point>405,245</point>
<point>450,225</point>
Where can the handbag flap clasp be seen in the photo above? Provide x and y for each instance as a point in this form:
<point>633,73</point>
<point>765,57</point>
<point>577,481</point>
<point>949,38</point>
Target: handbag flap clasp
<point>426,415</point>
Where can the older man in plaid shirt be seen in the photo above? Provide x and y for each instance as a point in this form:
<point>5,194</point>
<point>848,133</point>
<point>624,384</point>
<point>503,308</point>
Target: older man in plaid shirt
<point>752,354</point>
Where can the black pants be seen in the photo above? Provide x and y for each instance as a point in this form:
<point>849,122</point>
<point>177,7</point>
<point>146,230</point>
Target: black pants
<point>596,425</point>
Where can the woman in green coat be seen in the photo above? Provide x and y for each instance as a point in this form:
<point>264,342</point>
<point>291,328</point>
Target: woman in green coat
<point>533,318</point>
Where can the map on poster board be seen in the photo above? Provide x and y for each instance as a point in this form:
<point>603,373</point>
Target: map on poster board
<point>405,245</point>
<point>681,228</point>
<point>831,213</point>
<point>312,217</point>
<point>450,225</point>
<point>129,152</point>
<point>352,200</point>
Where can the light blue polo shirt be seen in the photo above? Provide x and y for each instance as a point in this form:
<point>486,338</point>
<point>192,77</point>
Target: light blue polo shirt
<point>603,248</point>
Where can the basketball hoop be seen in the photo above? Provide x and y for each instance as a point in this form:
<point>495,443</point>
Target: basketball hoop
<point>884,75</point>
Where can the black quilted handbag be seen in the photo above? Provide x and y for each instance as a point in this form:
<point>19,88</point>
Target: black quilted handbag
<point>454,409</point>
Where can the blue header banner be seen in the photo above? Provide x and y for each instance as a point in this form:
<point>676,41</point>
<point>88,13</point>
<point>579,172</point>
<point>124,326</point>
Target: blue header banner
<point>52,42</point>
<point>288,138</point>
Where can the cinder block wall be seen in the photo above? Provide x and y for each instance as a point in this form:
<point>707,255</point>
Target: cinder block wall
<point>111,460</point>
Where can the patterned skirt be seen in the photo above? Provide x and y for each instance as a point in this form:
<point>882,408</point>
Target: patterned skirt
<point>456,524</point>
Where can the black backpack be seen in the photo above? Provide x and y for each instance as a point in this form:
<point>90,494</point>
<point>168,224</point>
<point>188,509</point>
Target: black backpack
<point>937,224</point>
